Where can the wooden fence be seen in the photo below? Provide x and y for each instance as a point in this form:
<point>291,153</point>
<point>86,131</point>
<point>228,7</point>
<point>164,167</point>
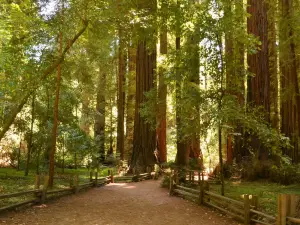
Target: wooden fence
<point>245,211</point>
<point>41,192</point>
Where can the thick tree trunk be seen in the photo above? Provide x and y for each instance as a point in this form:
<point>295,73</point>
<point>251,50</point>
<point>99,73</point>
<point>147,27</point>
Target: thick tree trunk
<point>130,103</point>
<point>182,155</point>
<point>162,93</point>
<point>144,135</point>
<point>290,96</point>
<point>121,96</point>
<point>100,116</point>
<point>55,119</point>
<point>273,57</point>
<point>259,84</point>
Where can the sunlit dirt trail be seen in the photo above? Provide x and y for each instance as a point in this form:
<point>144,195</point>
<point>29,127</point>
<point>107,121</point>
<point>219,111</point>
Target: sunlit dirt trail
<point>132,203</point>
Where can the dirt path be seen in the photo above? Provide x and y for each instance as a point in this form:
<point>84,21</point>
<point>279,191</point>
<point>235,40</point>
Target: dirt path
<point>133,204</point>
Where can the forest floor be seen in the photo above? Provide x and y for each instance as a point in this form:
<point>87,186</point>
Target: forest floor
<point>131,203</point>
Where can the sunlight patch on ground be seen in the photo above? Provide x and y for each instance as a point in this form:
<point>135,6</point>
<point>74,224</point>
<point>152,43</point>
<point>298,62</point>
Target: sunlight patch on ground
<point>130,187</point>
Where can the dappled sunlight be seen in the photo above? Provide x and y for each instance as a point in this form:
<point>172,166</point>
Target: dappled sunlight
<point>130,187</point>
<point>117,184</point>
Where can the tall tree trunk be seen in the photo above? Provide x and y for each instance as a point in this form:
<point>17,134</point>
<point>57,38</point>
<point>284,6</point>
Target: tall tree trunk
<point>144,136</point>
<point>290,96</point>
<point>30,144</point>
<point>182,154</point>
<point>111,130</point>
<point>121,95</point>
<point>162,90</point>
<point>258,63</point>
<point>130,102</point>
<point>239,72</point>
<point>273,58</point>
<point>55,119</point>
<point>100,116</point>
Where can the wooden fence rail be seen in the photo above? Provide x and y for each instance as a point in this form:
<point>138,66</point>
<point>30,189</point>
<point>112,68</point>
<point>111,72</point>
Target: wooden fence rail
<point>41,192</point>
<point>245,211</point>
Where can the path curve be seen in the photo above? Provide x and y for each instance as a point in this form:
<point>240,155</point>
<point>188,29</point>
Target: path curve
<point>132,203</point>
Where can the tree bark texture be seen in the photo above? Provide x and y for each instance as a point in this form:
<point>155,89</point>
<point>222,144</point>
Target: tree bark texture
<point>121,96</point>
<point>258,63</point>
<point>130,103</point>
<point>182,155</point>
<point>162,92</point>
<point>290,96</point>
<point>273,58</point>
<point>144,136</point>
<point>259,84</point>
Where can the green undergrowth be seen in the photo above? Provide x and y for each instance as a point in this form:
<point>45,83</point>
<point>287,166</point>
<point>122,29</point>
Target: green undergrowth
<point>12,180</point>
<point>267,192</point>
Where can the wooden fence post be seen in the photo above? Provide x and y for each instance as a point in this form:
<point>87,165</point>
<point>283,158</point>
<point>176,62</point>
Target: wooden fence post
<point>205,188</point>
<point>37,182</point>
<point>199,178</point>
<point>45,187</point>
<point>76,182</point>
<point>246,210</point>
<point>91,176</point>
<point>96,179</point>
<point>201,194</point>
<point>112,177</point>
<point>176,177</point>
<point>171,184</point>
<point>71,181</point>
<point>282,209</point>
<point>254,201</point>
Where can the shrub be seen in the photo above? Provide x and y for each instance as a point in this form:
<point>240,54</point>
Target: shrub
<point>165,183</point>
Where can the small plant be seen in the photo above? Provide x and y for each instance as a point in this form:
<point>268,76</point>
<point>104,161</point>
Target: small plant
<point>165,183</point>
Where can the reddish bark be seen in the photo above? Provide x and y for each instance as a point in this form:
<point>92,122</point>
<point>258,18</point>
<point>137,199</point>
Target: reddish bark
<point>130,103</point>
<point>162,95</point>
<point>121,96</point>
<point>290,100</point>
<point>258,63</point>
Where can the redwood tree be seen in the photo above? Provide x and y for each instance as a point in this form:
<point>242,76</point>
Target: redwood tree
<point>290,96</point>
<point>121,95</point>
<point>144,134</point>
<point>258,63</point>
<point>162,90</point>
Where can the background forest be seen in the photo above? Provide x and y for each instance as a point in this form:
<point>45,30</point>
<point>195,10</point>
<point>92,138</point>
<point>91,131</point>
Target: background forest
<point>203,84</point>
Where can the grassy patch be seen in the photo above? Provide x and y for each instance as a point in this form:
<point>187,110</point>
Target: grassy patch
<point>267,192</point>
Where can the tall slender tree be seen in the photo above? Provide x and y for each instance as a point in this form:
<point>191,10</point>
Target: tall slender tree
<point>121,94</point>
<point>162,88</point>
